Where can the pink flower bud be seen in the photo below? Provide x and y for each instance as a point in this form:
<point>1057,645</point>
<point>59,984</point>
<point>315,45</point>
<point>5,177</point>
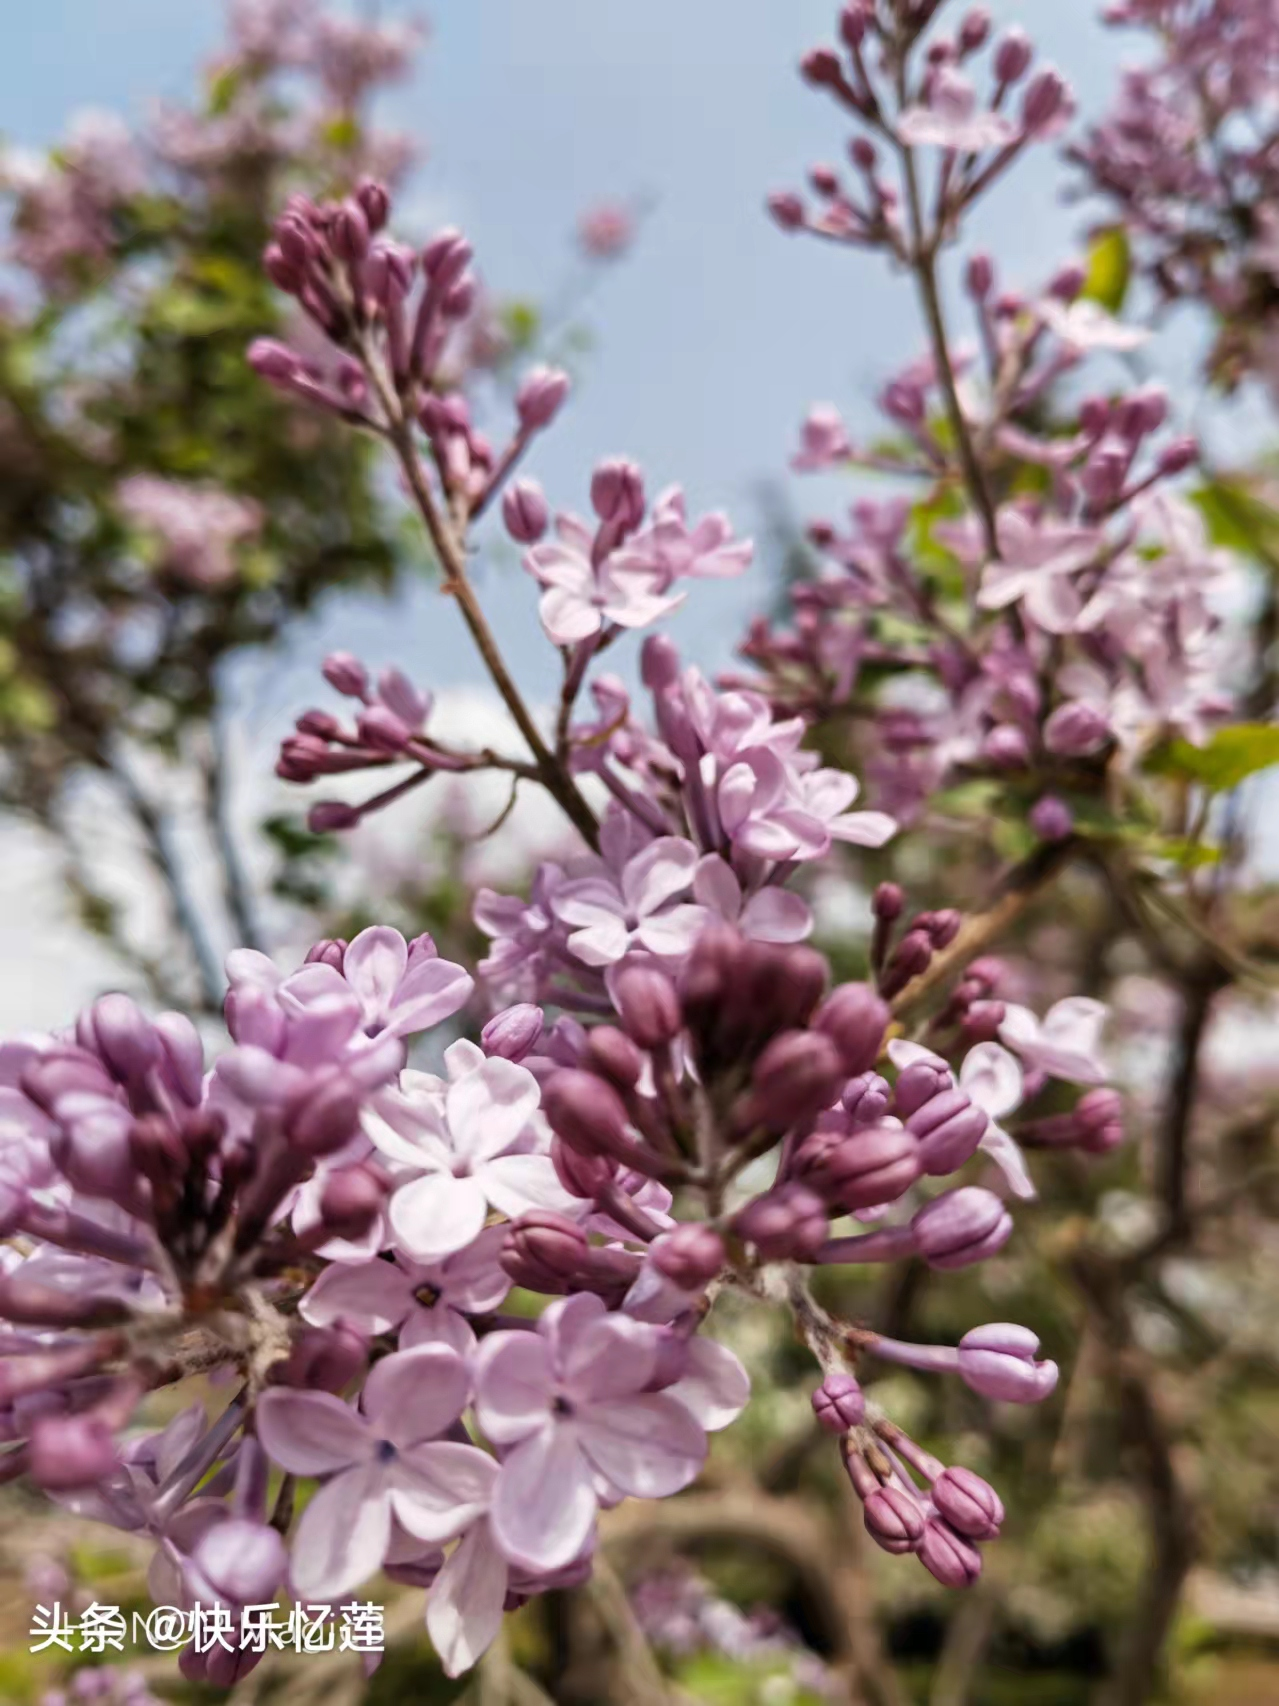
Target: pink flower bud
<point>980,277</point>
<point>646,999</point>
<point>864,1168</point>
<point>787,1224</point>
<point>67,1452</point>
<point>617,493</point>
<point>998,1361</point>
<point>614,1056</point>
<point>513,1033</point>
<point>1051,818</point>
<point>944,926</point>
<point>961,1227</point>
<point>540,396</point>
<point>954,1561</point>
<point>974,30</point>
<point>330,951</point>
<point>1046,98</point>
<point>284,274</point>
<point>323,1359</point>
<point>1013,56</point>
<point>587,1113</point>
<point>787,210</point>
<point>894,1520</point>
<point>346,674</point>
<point>445,258</point>
<point>324,1120</point>
<point>1067,282</point>
<point>117,1029</point>
<point>820,68</point>
<point>838,1403</point>
<point>328,817</point>
<point>855,1019</point>
<point>323,725</point>
<point>1075,730</point>
<point>866,1098</point>
<point>887,902</point>
<point>797,1076</point>
<point>351,1201</point>
<point>524,511</point>
<point>950,1127</point>
<point>689,1256</point>
<point>659,663</point>
<point>970,1505</point>
<point>1006,747</point>
<point>382,731</point>
<point>917,1084</point>
<point>581,1175</point>
<point>350,232</point>
<point>546,1241</point>
<point>274,361</point>
<point>375,202</point>
<point>1176,457</point>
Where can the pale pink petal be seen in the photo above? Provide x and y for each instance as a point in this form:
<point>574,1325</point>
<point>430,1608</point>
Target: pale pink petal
<point>342,1536</point>
<point>465,1605</point>
<point>415,1395</point>
<point>372,1297</point>
<point>310,1433</point>
<point>438,1326</point>
<point>544,1507</point>
<point>490,1107</point>
<point>373,966</point>
<point>648,1446</point>
<point>432,990</point>
<point>863,829</point>
<point>992,1078</point>
<point>433,1216</point>
<point>438,1490</point>
<point>714,1387</point>
<point>601,944</point>
<point>473,1279</point>
<point>658,874</point>
<point>513,1385</point>
<point>514,1184</point>
<point>716,887</point>
<point>1005,1152</point>
<point>777,915</point>
<point>608,1358</point>
<point>567,617</point>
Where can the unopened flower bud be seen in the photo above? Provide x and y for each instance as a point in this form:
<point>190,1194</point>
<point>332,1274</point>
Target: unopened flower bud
<point>954,1561</point>
<point>856,1020</point>
<point>350,232</point>
<point>346,674</point>
<point>323,1359</point>
<point>798,1075</point>
<point>548,1241</point>
<point>970,1505</point>
<point>1176,457</point>
<point>974,30</point>
<point>838,1403</point>
<point>328,817</point>
<point>998,1361</point>
<point>1013,56</point>
<point>525,511</point>
<point>582,1176</point>
<point>950,1127</point>
<point>820,68</point>
<point>513,1033</point>
<point>445,258</point>
<point>961,1227</point>
<point>324,1120</point>
<point>587,1113</point>
<point>351,1201</point>
<point>787,210</point>
<point>1006,747</point>
<point>894,1520</point>
<point>614,1056</point>
<point>919,1083</point>
<point>67,1452</point>
<point>540,396</point>
<point>274,361</point>
<point>866,1098</point>
<point>787,1224</point>
<point>863,1168</point>
<point>980,277</point>
<point>650,1010</point>
<point>1075,730</point>
<point>375,202</point>
<point>617,493</point>
<point>690,1256</point>
<point>1051,818</point>
<point>243,1560</point>
<point>1045,99</point>
<point>116,1029</point>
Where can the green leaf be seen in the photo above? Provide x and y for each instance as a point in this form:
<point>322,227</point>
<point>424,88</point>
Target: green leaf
<point>1229,758</point>
<point>1236,519</point>
<point>1109,268</point>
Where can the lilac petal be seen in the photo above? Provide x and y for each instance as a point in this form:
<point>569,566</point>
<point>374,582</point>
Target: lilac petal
<point>257,1078</point>
<point>777,915</point>
<point>432,990</point>
<point>372,1297</point>
<point>714,1387</point>
<point>422,1144</point>
<point>663,870</point>
<point>563,1322</point>
<point>465,1605</point>
<point>490,1107</point>
<point>311,1433</point>
<point>398,694</point>
<point>437,1214</point>
<point>863,829</point>
<point>437,1490</point>
<point>767,838</point>
<point>413,1396</point>
<point>544,1507</point>
<point>609,1358</point>
<point>513,1385</point>
<point>992,1078</point>
<point>647,1446</point>
<point>1006,1153</point>
<point>671,934</point>
<point>588,901</point>
<point>716,887</point>
<point>438,1326</point>
<point>473,1280</point>
<point>373,965</point>
<point>516,1183</point>
<point>567,617</point>
<point>172,1445</point>
<point>601,944</point>
<point>342,1537</point>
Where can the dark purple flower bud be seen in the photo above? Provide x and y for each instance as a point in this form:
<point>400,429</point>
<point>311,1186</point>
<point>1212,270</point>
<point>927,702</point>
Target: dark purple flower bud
<point>787,209</point>
<point>243,1560</point>
<point>351,1201</point>
<point>998,1361</point>
<point>912,955</point>
<point>323,1121</point>
<point>824,179</point>
<point>894,1520</point>
<point>820,68</point>
<point>982,1021</point>
<point>646,999</point>
<point>1013,56</point>
<point>855,1020</point>
<point>950,1128</point>
<point>329,817</point>
<point>864,1168</point>
<point>944,926</point>
<point>970,1505</point>
<point>159,1153</point>
<point>1006,746</point>
<point>1075,730</point>
<point>514,1032</point>
<point>659,663</point>
<point>903,401</point>
<point>787,1224</point>
<point>854,20</point>
<point>1067,282</point>
<point>323,1359</point>
<point>838,1403</point>
<point>445,258</point>
<point>974,30</point>
<point>689,1256</point>
<point>1051,818</point>
<point>798,1075</point>
<point>525,511</point>
<point>1045,99</point>
<point>1176,457</point>
<point>961,1227</point>
<point>346,674</point>
<point>866,1098</point>
<point>617,493</point>
<point>71,1451</point>
<point>375,202</point>
<point>1099,1115</point>
<point>587,1113</point>
<point>350,232</point>
<point>980,277</point>
<point>919,1083</point>
<point>284,274</point>
<point>954,1561</point>
<point>382,731</point>
<point>329,951</point>
<point>323,725</point>
<point>540,396</point>
<point>274,361</point>
<point>614,1056</point>
<point>582,1175</point>
<point>861,151</point>
<point>218,1667</point>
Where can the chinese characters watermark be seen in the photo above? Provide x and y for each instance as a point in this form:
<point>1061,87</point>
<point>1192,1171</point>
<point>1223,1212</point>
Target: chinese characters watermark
<point>355,1627</point>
